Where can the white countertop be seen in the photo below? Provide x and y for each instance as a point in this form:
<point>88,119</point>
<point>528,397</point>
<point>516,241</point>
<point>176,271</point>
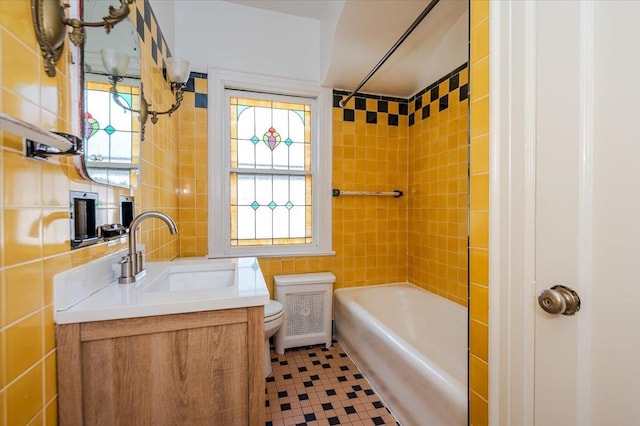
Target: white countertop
<point>77,299</point>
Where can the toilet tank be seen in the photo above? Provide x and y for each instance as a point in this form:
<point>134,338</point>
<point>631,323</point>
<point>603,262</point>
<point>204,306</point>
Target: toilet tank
<point>307,301</point>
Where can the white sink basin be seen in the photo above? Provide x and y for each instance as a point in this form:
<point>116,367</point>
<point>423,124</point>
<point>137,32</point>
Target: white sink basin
<point>91,292</point>
<point>192,276</point>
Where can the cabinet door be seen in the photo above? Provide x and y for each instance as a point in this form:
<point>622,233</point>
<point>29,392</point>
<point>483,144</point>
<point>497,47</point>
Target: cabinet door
<point>193,376</point>
<point>197,368</point>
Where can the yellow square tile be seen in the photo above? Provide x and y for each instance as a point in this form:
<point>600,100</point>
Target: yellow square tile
<point>479,187</point>
<point>55,231</point>
<point>24,345</point>
<point>23,290</point>
<point>52,91</point>
<point>24,397</point>
<point>479,266</point>
<point>20,67</point>
<point>189,100</point>
<point>50,377</point>
<point>464,76</point>
<point>479,306</point>
<point>479,123</point>
<point>21,186</point>
<point>51,413</point>
<point>479,340</point>
<point>15,17</point>
<point>351,104</point>
<point>479,42</point>
<point>479,231</point>
<point>371,104</point>
<point>479,10</point>
<point>187,118</point>
<point>478,410</point>
<point>22,233</point>
<point>480,78</point>
<point>443,88</point>
<point>201,85</point>
<point>479,377</point>
<point>201,115</point>
<point>55,185</point>
<point>479,155</point>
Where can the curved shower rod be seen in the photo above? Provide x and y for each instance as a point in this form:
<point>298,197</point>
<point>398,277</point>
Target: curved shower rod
<point>402,38</point>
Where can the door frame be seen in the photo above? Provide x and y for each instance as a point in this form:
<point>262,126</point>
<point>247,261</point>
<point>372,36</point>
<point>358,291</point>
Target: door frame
<point>512,218</point>
<point>512,179</point>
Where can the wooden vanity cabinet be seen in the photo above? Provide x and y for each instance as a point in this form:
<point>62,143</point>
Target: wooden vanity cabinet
<point>202,368</point>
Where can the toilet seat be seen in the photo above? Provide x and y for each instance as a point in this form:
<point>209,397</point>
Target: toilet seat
<point>273,310</point>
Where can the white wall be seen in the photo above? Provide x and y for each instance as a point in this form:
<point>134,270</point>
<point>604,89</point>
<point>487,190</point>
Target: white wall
<point>327,35</point>
<point>242,38</point>
<point>164,11</point>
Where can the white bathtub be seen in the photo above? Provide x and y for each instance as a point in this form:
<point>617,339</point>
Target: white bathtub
<point>412,347</point>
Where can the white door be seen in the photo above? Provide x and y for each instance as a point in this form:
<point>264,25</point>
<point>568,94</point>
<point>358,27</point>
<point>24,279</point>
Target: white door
<point>580,174</point>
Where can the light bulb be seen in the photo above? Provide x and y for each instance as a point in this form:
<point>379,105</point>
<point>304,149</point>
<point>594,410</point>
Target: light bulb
<point>114,61</point>
<point>178,70</point>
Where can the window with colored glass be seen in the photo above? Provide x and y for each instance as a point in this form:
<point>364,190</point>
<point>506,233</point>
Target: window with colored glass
<point>111,134</point>
<point>270,165</point>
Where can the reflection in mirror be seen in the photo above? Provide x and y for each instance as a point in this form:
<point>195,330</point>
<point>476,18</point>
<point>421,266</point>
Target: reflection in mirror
<point>111,130</point>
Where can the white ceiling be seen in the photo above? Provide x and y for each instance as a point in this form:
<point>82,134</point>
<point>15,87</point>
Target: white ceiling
<point>316,9</point>
<point>366,29</point>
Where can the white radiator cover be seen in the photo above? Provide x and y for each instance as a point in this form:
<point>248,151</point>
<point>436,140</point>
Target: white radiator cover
<point>307,301</point>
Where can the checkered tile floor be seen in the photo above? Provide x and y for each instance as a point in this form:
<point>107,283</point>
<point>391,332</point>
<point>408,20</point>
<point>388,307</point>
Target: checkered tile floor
<point>319,386</point>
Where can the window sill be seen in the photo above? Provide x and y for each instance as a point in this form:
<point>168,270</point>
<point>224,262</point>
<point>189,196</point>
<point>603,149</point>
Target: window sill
<point>281,254</point>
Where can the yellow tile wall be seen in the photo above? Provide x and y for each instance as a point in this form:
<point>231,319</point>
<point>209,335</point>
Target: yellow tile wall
<point>193,160</point>
<point>371,151</point>
<point>438,188</point>
<point>369,233</point>
<point>34,219</point>
<point>479,215</point>
<point>159,187</point>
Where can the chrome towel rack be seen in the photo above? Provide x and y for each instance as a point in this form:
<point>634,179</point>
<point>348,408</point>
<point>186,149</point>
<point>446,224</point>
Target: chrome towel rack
<point>396,193</point>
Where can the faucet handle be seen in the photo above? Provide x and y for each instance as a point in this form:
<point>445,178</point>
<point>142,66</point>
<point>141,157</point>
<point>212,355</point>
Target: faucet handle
<point>126,270</point>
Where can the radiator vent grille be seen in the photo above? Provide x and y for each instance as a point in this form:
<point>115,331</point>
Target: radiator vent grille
<point>307,305</point>
<point>305,313</point>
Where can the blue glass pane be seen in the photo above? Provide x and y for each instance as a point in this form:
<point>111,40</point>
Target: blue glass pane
<point>126,98</point>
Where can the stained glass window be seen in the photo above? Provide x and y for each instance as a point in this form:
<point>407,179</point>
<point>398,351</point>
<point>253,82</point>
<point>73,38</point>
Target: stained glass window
<point>111,133</point>
<point>270,181</point>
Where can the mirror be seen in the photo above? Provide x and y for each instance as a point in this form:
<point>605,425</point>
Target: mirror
<point>111,133</point>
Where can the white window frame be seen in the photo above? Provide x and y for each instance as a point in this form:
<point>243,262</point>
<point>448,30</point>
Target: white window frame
<point>219,163</point>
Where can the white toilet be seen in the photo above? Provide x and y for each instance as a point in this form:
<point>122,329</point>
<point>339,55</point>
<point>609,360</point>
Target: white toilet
<point>273,319</point>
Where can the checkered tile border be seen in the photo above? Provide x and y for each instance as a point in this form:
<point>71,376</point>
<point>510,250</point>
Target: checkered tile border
<point>200,98</point>
<point>160,49</point>
<point>419,105</point>
<point>428,99</point>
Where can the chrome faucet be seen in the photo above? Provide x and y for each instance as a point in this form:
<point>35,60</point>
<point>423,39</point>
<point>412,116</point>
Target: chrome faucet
<point>132,265</point>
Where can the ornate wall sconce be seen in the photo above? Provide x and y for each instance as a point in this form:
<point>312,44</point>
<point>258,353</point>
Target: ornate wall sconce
<point>49,22</point>
<point>178,70</point>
